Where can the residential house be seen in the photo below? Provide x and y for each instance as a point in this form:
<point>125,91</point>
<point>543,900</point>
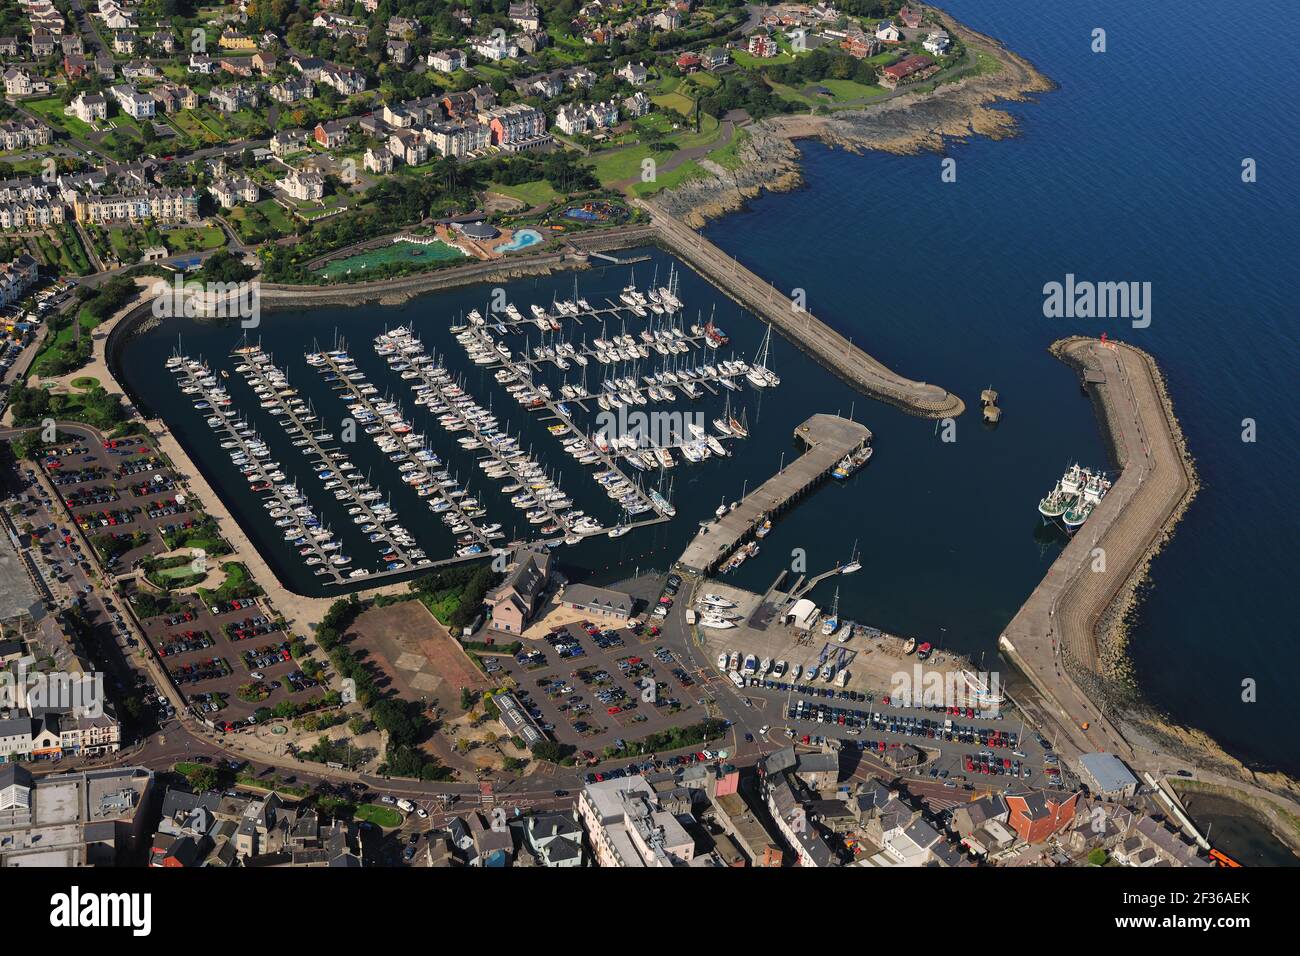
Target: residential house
<point>688,62</point>
<point>886,32</point>
<point>408,146</point>
<point>525,15</point>
<point>555,839</point>
<point>1036,815</point>
<point>264,62</point>
<point>9,46</point>
<point>399,51</point>
<point>638,104</point>
<point>232,39</point>
<point>132,102</point>
<point>458,140</point>
<point>447,61</point>
<point>911,17</point>
<point>287,142</point>
<point>293,89</point>
<point>89,107</point>
<point>201,64</point>
<point>937,43</point>
<point>164,205</point>
<point>762,45</point>
<point>910,69</point>
<point>124,43</point>
<point>377,161</point>
<point>42,45</point>
<point>494,48</point>
<point>715,57</point>
<point>634,73</point>
<point>304,185</point>
<point>232,99</point>
<point>15,134</point>
<point>332,134</point>
<point>403,28</point>
<point>668,19</point>
<point>235,190</point>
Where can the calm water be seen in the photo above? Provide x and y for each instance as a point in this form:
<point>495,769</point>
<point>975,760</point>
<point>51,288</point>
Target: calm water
<point>1129,172</point>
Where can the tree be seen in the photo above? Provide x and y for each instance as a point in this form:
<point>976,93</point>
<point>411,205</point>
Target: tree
<point>201,778</point>
<point>466,695</point>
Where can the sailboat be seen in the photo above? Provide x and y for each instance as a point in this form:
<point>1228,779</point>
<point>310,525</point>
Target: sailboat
<point>853,563</point>
<point>759,375</point>
<point>833,619</point>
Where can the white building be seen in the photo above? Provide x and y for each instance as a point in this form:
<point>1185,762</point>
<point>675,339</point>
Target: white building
<point>89,107</point>
<point>447,61</point>
<point>133,103</point>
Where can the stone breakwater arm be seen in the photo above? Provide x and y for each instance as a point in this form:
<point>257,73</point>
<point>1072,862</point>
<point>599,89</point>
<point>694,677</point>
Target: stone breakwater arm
<point>1073,618</point>
<point>800,326</point>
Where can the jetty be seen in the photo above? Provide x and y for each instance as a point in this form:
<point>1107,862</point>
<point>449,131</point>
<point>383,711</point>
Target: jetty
<point>1055,638</point>
<point>799,325</point>
<point>827,438</point>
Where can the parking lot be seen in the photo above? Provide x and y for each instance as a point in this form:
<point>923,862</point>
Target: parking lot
<point>961,746</point>
<point>211,652</point>
<point>589,685</point>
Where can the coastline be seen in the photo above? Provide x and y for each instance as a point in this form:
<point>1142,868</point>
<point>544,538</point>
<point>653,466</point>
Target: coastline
<point>906,124</point>
<point>1070,638</point>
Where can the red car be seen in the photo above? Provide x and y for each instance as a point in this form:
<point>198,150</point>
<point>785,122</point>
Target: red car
<point>614,710</point>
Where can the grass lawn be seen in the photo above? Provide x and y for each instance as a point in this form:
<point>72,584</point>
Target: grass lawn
<point>852,90</point>
<point>193,239</point>
<point>728,156</point>
<point>675,101</point>
<point>85,381</point>
<point>52,109</point>
<point>670,179</point>
<point>379,815</point>
<point>536,193</point>
<point>61,344</point>
<point>751,62</point>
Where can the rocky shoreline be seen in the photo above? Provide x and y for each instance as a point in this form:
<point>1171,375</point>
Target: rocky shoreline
<point>906,124</point>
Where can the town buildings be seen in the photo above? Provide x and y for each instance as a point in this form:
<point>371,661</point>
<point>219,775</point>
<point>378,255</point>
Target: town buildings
<point>89,818</point>
<point>513,602</point>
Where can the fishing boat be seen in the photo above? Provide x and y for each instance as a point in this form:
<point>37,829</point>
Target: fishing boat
<point>832,621</point>
<point>909,645</point>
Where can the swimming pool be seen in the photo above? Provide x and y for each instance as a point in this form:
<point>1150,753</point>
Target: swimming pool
<point>521,240</point>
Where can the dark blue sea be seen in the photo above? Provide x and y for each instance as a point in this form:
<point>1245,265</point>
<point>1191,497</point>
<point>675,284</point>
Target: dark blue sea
<point>1131,170</point>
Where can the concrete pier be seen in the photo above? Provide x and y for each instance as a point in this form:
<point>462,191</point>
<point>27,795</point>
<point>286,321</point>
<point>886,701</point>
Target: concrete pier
<point>1061,620</point>
<point>828,439</point>
<point>803,328</point>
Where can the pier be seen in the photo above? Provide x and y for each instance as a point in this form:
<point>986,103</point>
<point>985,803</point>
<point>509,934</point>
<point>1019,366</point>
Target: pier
<point>811,334</point>
<point>1054,638</point>
<point>828,439</point>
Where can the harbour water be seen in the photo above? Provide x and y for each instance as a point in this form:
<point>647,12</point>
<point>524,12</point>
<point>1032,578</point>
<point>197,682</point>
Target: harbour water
<point>1131,171</point>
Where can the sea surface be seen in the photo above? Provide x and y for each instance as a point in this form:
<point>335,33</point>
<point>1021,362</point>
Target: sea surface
<point>1130,171</point>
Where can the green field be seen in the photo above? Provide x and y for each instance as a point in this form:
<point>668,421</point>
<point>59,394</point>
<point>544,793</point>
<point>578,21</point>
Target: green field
<point>401,252</point>
<point>51,108</point>
<point>536,193</point>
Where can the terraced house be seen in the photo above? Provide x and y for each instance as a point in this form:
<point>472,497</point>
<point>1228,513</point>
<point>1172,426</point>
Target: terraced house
<point>17,134</point>
<point>16,278</point>
<point>164,205</point>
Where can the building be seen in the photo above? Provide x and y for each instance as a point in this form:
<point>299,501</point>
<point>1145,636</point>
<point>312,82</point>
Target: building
<point>627,826</point>
<point>458,139</point>
<point>124,43</point>
<point>1036,815</point>
<point>492,845</point>
<point>715,57</point>
<point>304,185</point>
<point>886,32</point>
<point>638,104</point>
<point>688,62</point>
<point>447,61</point>
<point>132,102</point>
<point>201,64</point>
<point>667,20</point>
<point>1107,777</point>
<point>911,17</point>
<point>408,146</point>
<point>602,601</point>
<point>634,73</point>
<point>164,205</point>
<point>516,599</point>
<point>517,127</point>
<point>399,51</point>
<point>555,839</point>
<point>762,45</point>
<point>288,142</point>
<point>331,135</point>
<point>292,89</point>
<point>516,721</point>
<point>89,818</point>
<point>377,161</point>
<point>16,134</point>
<point>494,48</point>
<point>525,15</point>
<point>16,278</point>
<point>910,69</point>
<point>232,99</point>
<point>235,190</point>
<point>937,43</point>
